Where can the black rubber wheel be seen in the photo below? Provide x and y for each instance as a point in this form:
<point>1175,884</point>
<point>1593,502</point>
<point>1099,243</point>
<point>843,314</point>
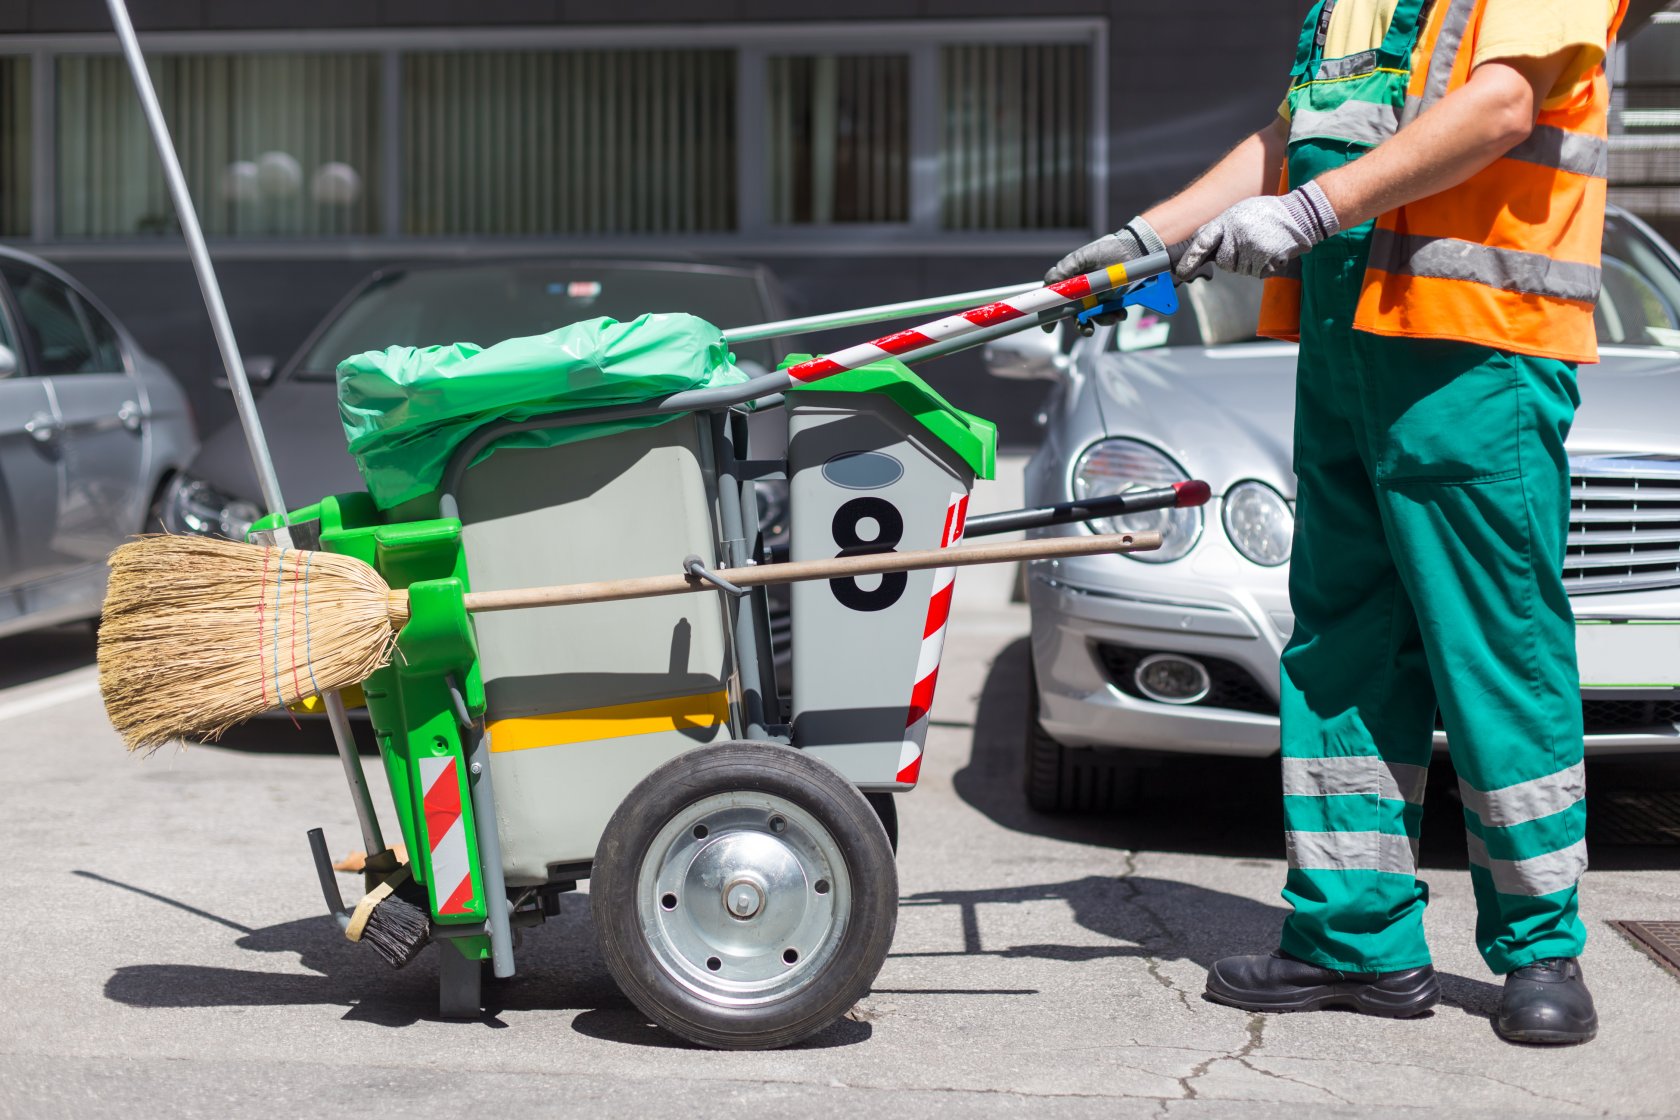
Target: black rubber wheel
<point>886,807</point>
<point>1062,779</point>
<point>744,896</point>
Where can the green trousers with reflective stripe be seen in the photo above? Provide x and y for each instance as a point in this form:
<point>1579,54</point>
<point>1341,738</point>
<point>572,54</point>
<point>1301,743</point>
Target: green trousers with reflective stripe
<point>1427,577</point>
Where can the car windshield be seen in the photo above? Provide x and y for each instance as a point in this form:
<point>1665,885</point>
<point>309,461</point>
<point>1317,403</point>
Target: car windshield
<point>1638,306</point>
<point>1640,302</point>
<point>485,304</point>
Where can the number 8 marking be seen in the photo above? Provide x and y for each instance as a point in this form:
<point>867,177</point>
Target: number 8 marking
<point>847,519</point>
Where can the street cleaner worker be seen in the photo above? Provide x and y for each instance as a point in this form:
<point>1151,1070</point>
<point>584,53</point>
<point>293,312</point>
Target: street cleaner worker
<point>1434,245</point>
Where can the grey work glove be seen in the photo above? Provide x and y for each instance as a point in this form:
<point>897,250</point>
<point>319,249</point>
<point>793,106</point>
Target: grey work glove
<point>1137,238</point>
<point>1259,236</point>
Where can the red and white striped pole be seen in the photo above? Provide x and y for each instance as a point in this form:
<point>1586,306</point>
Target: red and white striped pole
<point>904,344</point>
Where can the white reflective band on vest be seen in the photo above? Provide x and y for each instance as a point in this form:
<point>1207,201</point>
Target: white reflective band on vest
<point>1526,801</point>
<point>1354,774</point>
<point>1353,66</point>
<point>1574,152</point>
<point>1455,23</point>
<point>1511,270</point>
<point>1352,851</point>
<point>1357,122</point>
<point>1542,874</point>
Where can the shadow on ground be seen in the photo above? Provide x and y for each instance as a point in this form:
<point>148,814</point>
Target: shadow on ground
<point>1230,806</point>
<point>38,654</point>
<point>559,969</point>
<point>1153,919</point>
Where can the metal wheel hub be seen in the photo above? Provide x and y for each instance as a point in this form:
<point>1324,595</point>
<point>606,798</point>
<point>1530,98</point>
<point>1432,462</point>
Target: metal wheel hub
<point>743,897</point>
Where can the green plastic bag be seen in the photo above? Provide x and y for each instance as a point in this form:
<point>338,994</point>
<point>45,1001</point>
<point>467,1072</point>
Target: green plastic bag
<point>406,409</point>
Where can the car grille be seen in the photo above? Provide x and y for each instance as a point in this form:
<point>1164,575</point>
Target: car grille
<point>1624,525</point>
<point>1608,717</point>
<point>1231,686</point>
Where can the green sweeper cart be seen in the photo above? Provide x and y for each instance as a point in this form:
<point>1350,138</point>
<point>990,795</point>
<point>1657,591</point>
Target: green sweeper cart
<point>736,826</point>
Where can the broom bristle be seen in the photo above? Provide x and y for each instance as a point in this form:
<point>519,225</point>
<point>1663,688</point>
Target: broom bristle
<point>199,634</point>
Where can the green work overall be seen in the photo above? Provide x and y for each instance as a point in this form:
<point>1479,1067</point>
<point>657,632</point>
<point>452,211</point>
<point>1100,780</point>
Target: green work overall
<point>1427,575</point>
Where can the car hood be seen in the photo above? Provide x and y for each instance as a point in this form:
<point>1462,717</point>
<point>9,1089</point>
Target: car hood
<point>300,420</point>
<point>1227,413</point>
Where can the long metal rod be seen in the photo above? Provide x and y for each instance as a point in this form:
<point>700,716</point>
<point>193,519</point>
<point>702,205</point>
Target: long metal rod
<point>220,326</point>
<point>880,314</point>
<point>234,365</point>
<point>373,840</point>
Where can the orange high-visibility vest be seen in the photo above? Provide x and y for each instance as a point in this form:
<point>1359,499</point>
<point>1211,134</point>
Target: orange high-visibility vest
<point>1508,259</point>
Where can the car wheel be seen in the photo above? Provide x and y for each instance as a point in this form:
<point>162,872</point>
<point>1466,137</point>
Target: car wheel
<point>744,895</point>
<point>1062,779</point>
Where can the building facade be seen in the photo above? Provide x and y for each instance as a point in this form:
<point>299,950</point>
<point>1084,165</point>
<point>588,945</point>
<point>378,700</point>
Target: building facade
<point>902,150</point>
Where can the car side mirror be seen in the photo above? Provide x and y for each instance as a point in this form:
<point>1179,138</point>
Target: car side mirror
<point>259,371</point>
<point>8,361</point>
<point>1027,355</point>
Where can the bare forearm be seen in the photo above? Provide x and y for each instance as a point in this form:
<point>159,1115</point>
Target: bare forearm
<point>1251,168</point>
<point>1463,133</point>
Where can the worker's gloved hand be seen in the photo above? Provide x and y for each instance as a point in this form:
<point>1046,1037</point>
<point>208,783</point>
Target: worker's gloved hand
<point>1137,238</point>
<point>1259,236</point>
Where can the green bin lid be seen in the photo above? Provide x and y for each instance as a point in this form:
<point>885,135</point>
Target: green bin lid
<point>973,438</point>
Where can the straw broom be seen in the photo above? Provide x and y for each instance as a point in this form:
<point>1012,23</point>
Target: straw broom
<point>200,634</point>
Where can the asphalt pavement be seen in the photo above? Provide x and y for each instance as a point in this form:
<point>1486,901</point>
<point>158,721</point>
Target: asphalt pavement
<point>168,955</point>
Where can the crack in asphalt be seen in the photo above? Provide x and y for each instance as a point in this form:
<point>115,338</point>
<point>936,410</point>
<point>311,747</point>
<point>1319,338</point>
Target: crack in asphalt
<point>1151,962</point>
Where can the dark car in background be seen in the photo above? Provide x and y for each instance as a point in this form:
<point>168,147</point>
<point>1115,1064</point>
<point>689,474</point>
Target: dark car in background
<point>437,304</point>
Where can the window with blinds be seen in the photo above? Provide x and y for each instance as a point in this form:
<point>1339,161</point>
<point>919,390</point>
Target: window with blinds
<point>562,142</point>
<point>838,149</point>
<point>272,145</point>
<point>16,137</point>
<point>1015,149</point>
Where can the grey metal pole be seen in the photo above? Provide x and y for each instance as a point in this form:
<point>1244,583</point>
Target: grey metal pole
<point>879,314</point>
<point>243,401</point>
<point>219,324</point>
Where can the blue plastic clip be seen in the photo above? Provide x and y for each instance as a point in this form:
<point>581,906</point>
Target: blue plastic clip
<point>1158,293</point>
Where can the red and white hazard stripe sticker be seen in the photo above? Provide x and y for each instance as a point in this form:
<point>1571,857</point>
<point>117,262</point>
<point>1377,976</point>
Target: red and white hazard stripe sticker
<point>1082,288</point>
<point>446,832</point>
<point>933,647</point>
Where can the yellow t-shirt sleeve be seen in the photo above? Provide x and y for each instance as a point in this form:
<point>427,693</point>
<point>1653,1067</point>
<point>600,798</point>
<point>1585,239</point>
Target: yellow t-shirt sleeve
<point>1540,28</point>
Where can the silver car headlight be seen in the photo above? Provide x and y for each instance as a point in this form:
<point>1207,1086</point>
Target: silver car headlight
<point>193,506</point>
<point>1118,466</point>
<point>1259,523</point>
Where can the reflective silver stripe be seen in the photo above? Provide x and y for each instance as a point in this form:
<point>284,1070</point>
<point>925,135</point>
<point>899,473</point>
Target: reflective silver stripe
<point>1454,24</point>
<point>1353,774</point>
<point>1542,874</point>
<point>1351,851</point>
<point>1574,152</point>
<point>1447,258</point>
<point>1526,801</point>
<point>1358,122</point>
<point>1352,66</point>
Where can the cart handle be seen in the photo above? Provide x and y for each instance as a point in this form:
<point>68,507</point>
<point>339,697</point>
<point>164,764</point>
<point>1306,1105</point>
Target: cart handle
<point>879,314</point>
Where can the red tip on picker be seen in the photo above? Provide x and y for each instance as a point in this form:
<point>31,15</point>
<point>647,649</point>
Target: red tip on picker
<point>1192,493</point>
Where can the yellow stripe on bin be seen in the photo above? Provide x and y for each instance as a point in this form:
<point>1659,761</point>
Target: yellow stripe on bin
<point>588,725</point>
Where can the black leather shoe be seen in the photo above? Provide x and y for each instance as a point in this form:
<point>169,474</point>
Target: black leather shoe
<point>1547,1002</point>
<point>1280,982</point>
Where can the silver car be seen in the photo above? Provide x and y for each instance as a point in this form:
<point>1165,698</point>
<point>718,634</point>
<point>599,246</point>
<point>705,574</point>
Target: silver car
<point>1177,650</point>
<point>91,431</point>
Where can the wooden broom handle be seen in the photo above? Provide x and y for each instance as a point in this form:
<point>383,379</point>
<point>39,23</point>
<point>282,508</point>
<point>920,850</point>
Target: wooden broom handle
<point>760,575</point>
